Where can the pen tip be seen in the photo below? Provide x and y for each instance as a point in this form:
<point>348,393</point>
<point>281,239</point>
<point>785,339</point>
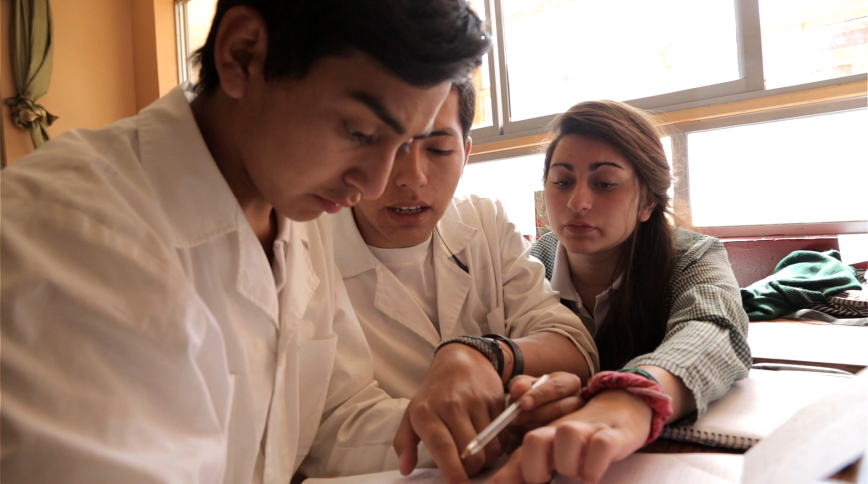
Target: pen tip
<point>465,454</point>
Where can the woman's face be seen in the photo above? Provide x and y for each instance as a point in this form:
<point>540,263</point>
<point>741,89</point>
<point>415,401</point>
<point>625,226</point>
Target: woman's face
<point>592,196</point>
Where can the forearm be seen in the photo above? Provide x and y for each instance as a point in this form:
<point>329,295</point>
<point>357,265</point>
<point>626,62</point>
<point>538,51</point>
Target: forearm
<point>683,402</point>
<point>546,352</point>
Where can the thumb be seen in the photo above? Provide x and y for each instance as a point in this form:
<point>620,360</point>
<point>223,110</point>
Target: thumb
<point>406,445</point>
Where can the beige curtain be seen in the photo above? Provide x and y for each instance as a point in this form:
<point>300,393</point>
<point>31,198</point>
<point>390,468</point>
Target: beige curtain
<point>31,47</point>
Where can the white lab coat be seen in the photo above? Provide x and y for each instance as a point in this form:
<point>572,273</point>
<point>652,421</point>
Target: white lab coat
<point>505,292</point>
<point>145,337</point>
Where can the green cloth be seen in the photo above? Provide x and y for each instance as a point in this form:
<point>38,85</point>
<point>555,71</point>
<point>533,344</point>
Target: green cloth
<point>31,47</point>
<point>802,278</point>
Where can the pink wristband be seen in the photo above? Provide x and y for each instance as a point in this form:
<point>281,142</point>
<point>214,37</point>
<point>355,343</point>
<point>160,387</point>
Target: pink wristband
<point>648,390</point>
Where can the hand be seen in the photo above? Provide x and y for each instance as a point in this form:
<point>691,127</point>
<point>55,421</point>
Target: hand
<point>548,402</point>
<point>582,445</point>
<point>460,396</point>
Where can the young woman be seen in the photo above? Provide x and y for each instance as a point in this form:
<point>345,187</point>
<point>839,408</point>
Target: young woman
<point>662,302</point>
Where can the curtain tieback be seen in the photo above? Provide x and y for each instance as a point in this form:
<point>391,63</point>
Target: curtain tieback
<point>26,113</point>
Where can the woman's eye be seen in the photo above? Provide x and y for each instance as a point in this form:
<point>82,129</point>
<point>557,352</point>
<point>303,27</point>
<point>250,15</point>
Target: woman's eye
<point>561,183</point>
<point>606,185</point>
<point>365,139</point>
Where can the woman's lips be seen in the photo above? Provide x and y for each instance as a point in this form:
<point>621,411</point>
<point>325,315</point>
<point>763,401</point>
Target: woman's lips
<point>579,228</point>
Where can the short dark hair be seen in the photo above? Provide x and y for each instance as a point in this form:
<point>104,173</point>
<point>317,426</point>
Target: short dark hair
<point>423,42</point>
<point>466,104</point>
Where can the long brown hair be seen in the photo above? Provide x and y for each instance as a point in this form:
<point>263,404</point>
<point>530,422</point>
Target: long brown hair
<point>639,309</point>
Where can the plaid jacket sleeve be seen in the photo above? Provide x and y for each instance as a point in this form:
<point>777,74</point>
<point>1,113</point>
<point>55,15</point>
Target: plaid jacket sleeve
<point>706,336</point>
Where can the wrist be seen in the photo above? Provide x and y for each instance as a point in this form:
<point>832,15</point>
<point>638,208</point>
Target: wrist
<point>647,389</point>
<point>508,362</point>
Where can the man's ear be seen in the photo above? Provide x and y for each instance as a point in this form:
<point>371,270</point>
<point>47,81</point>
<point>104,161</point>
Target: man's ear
<point>240,50</point>
<point>467,146</point>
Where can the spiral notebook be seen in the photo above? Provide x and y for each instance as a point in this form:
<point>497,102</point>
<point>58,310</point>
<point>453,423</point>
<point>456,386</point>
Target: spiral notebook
<point>754,407</point>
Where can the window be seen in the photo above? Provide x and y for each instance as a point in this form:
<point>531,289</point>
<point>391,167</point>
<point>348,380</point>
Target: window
<point>760,96</point>
<point>561,52</point>
<point>513,181</point>
<point>801,170</point>
<point>665,55</point>
<point>193,22</point>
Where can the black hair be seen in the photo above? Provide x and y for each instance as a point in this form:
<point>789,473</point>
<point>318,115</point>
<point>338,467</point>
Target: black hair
<point>466,104</point>
<point>423,42</point>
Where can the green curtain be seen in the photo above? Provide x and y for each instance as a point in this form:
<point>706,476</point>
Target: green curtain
<point>31,47</point>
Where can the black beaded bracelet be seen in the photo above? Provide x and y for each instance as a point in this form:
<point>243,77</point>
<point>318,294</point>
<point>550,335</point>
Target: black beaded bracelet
<point>518,364</point>
<point>488,348</point>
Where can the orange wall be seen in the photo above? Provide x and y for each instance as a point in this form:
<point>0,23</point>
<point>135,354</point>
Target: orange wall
<point>111,58</point>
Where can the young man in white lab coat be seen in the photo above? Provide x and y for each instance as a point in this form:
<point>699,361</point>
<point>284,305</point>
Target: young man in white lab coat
<point>421,267</point>
<point>171,310</point>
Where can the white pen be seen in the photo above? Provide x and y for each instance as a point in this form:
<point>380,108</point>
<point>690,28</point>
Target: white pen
<point>498,424</point>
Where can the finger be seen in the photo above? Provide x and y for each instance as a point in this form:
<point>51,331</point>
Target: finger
<point>548,412</point>
<point>601,450</point>
<point>493,451</point>
<point>569,443</point>
<point>561,385</point>
<point>441,445</point>
<point>536,461</point>
<point>406,444</point>
<point>510,473</point>
<point>520,384</point>
<point>465,425</point>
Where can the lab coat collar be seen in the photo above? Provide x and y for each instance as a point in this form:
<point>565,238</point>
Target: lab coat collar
<point>451,279</point>
<point>354,258</point>
<point>196,198</point>
<point>456,234</point>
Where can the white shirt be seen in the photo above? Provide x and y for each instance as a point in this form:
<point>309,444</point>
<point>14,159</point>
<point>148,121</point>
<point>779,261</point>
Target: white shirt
<point>563,283</point>
<point>414,266</point>
<point>504,292</point>
<point>146,338</point>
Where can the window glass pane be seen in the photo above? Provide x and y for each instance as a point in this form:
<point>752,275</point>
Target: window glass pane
<point>561,52</point>
<point>803,170</point>
<point>812,40</point>
<point>513,181</point>
<point>482,79</point>
<point>200,13</point>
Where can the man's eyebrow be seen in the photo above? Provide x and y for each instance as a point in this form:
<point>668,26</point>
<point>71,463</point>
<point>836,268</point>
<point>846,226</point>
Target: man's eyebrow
<point>380,110</point>
<point>438,132</point>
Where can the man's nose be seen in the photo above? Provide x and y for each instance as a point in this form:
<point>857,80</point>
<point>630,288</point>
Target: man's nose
<point>409,169</point>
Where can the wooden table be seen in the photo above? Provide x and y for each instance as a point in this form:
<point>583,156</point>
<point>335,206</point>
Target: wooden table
<point>810,343</point>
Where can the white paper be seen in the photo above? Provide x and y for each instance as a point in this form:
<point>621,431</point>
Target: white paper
<point>756,406</point>
<point>816,442</point>
<point>700,468</point>
<point>419,476</point>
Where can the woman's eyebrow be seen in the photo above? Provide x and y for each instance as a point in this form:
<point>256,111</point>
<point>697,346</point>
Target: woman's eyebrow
<point>595,166</point>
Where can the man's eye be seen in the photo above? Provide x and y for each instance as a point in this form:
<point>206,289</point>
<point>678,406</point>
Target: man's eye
<point>365,139</point>
<point>439,152</point>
